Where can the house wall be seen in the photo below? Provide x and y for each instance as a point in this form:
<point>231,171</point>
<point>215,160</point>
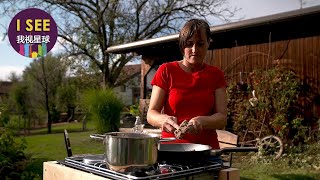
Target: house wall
<point>125,96</point>
<point>129,96</point>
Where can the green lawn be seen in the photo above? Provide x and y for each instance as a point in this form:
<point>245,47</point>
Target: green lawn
<point>276,171</point>
<point>59,127</point>
<point>304,165</point>
<point>43,147</point>
<point>52,146</point>
<point>48,147</point>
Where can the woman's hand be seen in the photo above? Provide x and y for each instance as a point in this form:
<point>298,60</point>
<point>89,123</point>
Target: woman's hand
<point>195,125</point>
<point>170,124</point>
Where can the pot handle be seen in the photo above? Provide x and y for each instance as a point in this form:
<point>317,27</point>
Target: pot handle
<point>167,139</point>
<point>97,136</point>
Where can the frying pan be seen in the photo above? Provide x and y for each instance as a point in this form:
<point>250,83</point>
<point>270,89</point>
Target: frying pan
<point>189,152</point>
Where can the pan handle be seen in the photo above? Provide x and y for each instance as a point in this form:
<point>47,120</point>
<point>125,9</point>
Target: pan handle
<point>167,139</point>
<point>97,136</point>
<point>218,152</point>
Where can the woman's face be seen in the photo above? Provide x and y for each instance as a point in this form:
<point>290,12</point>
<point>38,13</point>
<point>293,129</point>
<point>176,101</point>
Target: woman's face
<point>196,48</point>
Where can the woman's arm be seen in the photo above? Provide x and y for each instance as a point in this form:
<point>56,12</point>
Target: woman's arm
<point>216,121</point>
<point>154,116</point>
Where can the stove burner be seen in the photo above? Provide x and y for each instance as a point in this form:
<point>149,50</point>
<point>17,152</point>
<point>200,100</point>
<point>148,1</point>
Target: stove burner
<point>160,170</point>
<point>138,172</point>
<point>92,159</point>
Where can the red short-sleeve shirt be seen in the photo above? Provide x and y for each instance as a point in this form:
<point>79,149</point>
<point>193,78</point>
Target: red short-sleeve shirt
<point>189,95</point>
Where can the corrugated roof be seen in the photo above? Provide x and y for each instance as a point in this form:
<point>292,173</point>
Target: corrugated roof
<point>142,43</point>
<point>276,18</point>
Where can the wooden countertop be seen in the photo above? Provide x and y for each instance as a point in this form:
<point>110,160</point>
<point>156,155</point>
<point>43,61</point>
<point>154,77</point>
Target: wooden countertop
<point>54,171</point>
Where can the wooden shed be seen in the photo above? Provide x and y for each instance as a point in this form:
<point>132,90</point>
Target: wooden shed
<point>5,87</point>
<point>291,38</point>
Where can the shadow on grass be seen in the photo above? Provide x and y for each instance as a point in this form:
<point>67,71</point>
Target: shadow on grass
<point>56,131</point>
<point>293,176</point>
<point>57,128</point>
<point>244,178</point>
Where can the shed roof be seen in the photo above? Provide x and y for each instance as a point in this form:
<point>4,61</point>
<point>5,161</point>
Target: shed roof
<point>5,87</point>
<point>225,34</point>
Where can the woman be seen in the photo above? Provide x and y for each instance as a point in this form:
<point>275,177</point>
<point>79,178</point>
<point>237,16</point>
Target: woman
<point>190,90</point>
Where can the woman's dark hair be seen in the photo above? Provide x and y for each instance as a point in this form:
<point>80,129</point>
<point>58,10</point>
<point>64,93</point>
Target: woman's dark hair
<point>191,27</point>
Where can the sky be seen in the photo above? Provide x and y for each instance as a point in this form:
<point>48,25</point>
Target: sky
<point>11,61</point>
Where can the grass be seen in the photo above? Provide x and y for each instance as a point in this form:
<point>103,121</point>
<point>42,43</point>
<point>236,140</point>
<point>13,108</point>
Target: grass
<point>49,147</point>
<point>59,127</point>
<point>275,171</point>
<point>303,165</point>
<point>52,146</point>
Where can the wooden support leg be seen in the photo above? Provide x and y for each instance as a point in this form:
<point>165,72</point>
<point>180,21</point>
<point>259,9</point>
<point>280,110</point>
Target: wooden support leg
<point>229,174</point>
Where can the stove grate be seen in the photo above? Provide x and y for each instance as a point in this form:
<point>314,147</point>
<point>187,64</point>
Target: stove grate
<point>159,171</point>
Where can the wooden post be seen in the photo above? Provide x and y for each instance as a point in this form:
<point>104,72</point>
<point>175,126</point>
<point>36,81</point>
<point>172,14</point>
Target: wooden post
<point>146,65</point>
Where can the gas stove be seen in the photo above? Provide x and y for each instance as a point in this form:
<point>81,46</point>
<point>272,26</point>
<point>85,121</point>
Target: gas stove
<point>95,164</point>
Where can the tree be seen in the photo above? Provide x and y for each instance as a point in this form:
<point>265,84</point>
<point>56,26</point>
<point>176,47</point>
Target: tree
<point>87,28</point>
<point>21,100</point>
<point>67,97</point>
<point>14,77</point>
<point>44,76</point>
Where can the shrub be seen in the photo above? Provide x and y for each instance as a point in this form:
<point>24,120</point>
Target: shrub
<point>4,115</point>
<point>135,109</point>
<point>104,109</point>
<point>13,123</point>
<point>12,158</point>
<point>280,105</point>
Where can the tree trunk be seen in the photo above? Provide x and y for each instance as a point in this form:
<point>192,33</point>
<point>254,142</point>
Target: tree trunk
<point>46,91</point>
<point>70,113</point>
<point>29,124</point>
<point>48,111</point>
<point>49,122</point>
<point>24,124</point>
<point>84,123</point>
<point>34,122</point>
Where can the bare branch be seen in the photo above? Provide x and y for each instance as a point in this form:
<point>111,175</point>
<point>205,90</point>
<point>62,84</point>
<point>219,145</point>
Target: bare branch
<point>123,81</point>
<point>89,27</point>
<point>85,51</point>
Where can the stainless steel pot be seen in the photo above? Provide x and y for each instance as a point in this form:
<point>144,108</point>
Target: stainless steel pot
<point>124,150</point>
